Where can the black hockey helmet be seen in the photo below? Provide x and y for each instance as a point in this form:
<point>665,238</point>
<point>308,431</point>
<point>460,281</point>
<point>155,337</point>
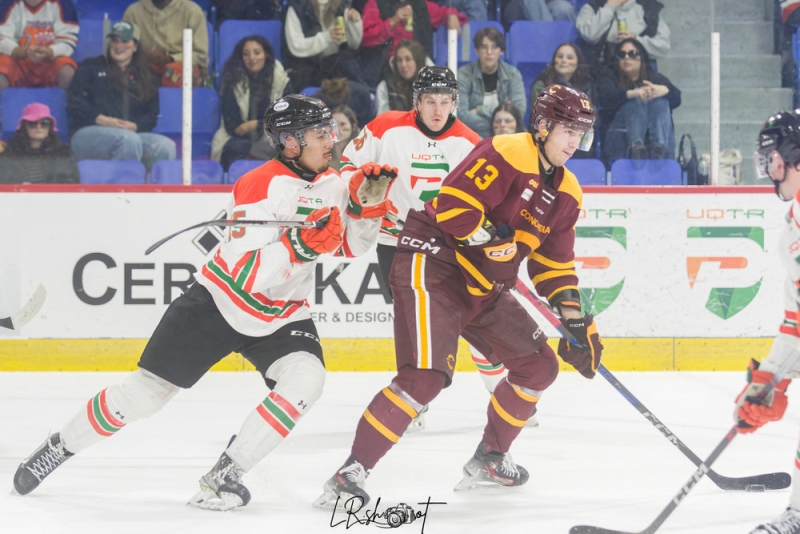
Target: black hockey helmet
<point>558,104</point>
<point>777,146</point>
<point>435,80</point>
<point>295,115</point>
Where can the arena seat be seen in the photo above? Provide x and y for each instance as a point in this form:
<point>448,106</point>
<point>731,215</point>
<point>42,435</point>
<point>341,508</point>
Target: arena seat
<point>588,171</point>
<point>241,167</point>
<point>12,100</point>
<point>169,171</point>
<point>646,172</point>
<point>205,118</point>
<point>105,172</point>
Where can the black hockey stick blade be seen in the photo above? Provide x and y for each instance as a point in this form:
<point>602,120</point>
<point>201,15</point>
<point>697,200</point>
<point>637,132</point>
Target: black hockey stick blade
<point>27,312</point>
<point>241,222</point>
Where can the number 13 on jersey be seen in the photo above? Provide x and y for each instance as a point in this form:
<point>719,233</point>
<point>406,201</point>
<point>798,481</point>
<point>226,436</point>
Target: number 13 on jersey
<point>488,175</point>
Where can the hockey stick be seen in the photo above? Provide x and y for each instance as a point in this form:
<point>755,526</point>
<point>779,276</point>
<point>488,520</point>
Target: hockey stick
<point>27,312</point>
<point>768,481</point>
<point>702,469</point>
<point>241,222</point>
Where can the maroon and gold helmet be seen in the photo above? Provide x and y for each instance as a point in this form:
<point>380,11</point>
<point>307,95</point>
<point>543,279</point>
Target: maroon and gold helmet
<point>557,104</point>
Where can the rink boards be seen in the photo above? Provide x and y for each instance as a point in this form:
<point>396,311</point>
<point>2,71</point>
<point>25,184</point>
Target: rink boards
<point>678,278</point>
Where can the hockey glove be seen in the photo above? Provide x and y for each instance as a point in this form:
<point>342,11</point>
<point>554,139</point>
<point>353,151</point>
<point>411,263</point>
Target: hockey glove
<point>751,413</point>
<point>306,244</point>
<point>587,360</point>
<point>500,249</point>
<point>369,189</point>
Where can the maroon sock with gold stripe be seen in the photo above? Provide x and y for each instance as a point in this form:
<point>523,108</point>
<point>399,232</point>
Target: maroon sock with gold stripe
<point>380,427</point>
<point>509,410</point>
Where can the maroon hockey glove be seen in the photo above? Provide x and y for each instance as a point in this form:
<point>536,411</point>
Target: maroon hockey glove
<point>500,250</point>
<point>585,361</point>
<point>752,413</point>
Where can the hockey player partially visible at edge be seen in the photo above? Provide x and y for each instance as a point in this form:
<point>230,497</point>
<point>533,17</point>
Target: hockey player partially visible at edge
<point>424,144</point>
<point>778,158</point>
<point>510,200</point>
<point>251,299</point>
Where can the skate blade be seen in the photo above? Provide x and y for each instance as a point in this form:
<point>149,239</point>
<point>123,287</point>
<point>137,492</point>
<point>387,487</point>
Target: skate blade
<point>339,503</point>
<point>415,426</point>
<point>532,422</point>
<point>206,499</point>
<point>480,484</point>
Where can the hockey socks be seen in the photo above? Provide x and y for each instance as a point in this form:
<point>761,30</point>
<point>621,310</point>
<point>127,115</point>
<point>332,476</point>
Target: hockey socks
<point>490,374</point>
<point>794,499</point>
<point>140,395</point>
<point>509,409</point>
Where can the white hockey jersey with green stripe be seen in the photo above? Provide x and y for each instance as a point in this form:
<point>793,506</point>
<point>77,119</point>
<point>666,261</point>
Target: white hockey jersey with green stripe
<point>422,162</point>
<point>254,284</point>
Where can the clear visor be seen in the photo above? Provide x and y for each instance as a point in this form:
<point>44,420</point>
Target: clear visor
<point>586,140</point>
<point>769,165</point>
<point>320,134</point>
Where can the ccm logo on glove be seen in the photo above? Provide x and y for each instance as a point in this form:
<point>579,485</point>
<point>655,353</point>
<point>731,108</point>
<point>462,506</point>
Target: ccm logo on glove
<point>502,252</point>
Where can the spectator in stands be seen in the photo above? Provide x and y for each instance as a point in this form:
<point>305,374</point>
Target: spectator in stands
<point>507,119</point>
<point>475,10</point>
<point>543,10</point>
<point>36,42</point>
<point>388,22</point>
<point>348,128</point>
<point>568,67</point>
<point>485,83</point>
<point>112,104</point>
<point>247,10</point>
<point>35,154</point>
<point>161,23</point>
<point>785,26</point>
<point>395,91</point>
<point>605,23</point>
<point>636,103</point>
<point>251,79</point>
<point>341,91</point>
<point>319,41</point>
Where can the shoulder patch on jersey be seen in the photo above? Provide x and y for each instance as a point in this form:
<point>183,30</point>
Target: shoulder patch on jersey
<point>569,185</point>
<point>519,151</point>
<point>390,119</point>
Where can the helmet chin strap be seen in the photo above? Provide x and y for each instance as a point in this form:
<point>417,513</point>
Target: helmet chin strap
<point>540,145</point>
<point>294,163</point>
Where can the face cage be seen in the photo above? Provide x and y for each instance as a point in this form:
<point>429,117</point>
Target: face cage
<point>436,91</point>
<point>586,139</point>
<point>309,136</point>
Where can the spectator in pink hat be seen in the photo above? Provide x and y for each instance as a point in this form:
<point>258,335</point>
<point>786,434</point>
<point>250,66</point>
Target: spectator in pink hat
<point>35,154</point>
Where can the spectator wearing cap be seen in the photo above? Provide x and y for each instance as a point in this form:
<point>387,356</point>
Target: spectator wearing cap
<point>162,23</point>
<point>35,154</point>
<point>37,38</point>
<point>112,104</point>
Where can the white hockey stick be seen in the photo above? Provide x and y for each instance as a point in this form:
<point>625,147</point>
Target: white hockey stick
<point>27,312</point>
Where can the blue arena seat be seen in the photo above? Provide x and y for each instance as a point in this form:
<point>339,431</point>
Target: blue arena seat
<point>241,167</point>
<point>169,171</point>
<point>310,90</point>
<point>588,171</point>
<point>97,9</point>
<point>104,171</point>
<point>90,41</point>
<point>531,44</point>
<point>205,118</point>
<point>646,172</point>
<point>466,50</point>
<point>12,100</point>
<point>232,31</point>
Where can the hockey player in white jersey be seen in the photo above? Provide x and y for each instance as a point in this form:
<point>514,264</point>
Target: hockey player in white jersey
<point>778,158</point>
<point>251,299</point>
<point>424,144</point>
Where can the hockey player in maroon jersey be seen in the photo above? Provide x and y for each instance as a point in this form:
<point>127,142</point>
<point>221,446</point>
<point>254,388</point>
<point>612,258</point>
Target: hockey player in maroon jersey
<point>251,298</point>
<point>509,200</point>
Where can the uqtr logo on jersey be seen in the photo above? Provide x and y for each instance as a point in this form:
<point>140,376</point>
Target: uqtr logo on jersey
<point>428,171</point>
<point>724,302</point>
<point>598,299</point>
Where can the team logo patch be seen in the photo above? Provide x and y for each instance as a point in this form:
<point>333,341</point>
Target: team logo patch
<point>451,362</point>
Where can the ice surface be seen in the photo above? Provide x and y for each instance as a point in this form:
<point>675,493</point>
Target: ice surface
<point>593,459</point>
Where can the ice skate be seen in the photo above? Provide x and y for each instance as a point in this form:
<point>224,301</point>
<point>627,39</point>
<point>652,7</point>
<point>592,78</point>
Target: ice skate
<point>39,464</point>
<point>418,423</point>
<point>344,491</point>
<point>490,467</point>
<point>221,488</point>
<point>787,523</point>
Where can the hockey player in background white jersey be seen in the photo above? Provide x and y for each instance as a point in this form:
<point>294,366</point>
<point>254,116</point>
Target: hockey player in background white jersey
<point>424,144</point>
<point>778,158</point>
<point>251,298</point>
